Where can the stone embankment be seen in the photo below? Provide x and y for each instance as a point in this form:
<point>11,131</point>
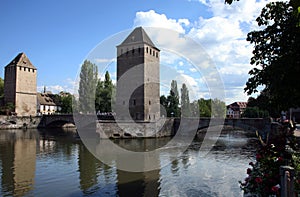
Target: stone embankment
<point>16,122</point>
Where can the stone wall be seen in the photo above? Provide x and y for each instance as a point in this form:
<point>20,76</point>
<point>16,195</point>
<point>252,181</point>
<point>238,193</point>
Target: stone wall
<point>112,129</point>
<point>19,122</point>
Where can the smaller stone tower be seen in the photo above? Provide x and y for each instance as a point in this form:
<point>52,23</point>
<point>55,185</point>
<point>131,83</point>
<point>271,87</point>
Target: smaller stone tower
<point>20,85</point>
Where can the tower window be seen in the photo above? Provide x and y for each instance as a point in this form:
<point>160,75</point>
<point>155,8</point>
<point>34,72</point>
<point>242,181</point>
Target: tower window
<point>33,70</point>
<point>149,102</point>
<point>132,50</point>
<point>24,68</point>
<point>20,68</point>
<point>147,50</point>
<point>156,54</point>
<point>150,51</point>
<point>139,50</point>
<point>134,102</point>
<point>28,69</point>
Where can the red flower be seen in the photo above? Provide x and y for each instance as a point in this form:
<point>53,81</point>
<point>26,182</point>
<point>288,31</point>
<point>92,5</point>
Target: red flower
<point>266,175</point>
<point>280,159</point>
<point>249,171</point>
<point>258,156</point>
<point>258,180</point>
<point>275,188</point>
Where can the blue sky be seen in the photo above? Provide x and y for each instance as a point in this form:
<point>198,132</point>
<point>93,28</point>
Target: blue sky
<point>58,35</point>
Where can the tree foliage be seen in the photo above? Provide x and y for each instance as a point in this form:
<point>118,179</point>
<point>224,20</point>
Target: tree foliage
<point>66,102</point>
<point>276,56</point>
<point>87,87</point>
<point>185,101</point>
<point>173,109</point>
<point>204,107</point>
<point>1,88</point>
<point>105,94</point>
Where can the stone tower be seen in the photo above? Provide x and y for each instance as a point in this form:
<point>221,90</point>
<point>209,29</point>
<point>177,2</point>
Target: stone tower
<point>20,85</point>
<point>138,78</point>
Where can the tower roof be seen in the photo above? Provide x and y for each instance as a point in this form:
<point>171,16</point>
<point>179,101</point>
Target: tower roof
<point>21,60</point>
<point>138,35</point>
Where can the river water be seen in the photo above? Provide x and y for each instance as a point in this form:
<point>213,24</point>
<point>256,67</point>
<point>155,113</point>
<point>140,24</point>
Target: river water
<point>56,163</point>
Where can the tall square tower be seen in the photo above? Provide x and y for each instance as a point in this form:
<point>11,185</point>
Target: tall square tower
<point>138,77</point>
<point>20,85</point>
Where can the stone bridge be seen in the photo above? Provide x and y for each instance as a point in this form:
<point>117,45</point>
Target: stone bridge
<point>243,123</point>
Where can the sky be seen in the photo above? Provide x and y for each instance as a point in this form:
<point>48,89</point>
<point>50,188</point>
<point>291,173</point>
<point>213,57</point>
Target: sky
<point>57,36</point>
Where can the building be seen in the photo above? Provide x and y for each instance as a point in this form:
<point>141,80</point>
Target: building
<point>48,103</point>
<point>236,109</point>
<point>138,78</point>
<point>20,85</point>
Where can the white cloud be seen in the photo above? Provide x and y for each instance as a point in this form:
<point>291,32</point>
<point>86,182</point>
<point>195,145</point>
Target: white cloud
<point>100,60</point>
<point>223,37</point>
<point>193,70</point>
<point>153,19</point>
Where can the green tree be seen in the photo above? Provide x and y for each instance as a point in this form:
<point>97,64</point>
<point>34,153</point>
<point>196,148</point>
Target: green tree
<point>87,87</point>
<point>218,108</point>
<point>1,88</point>
<point>99,103</point>
<point>276,55</point>
<point>185,101</point>
<point>164,102</point>
<point>105,94</point>
<point>173,109</point>
<point>204,107</point>
<point>66,102</point>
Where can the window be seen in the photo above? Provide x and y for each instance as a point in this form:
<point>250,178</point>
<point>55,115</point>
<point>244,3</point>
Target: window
<point>24,69</point>
<point>139,50</point>
<point>150,51</point>
<point>147,50</point>
<point>132,50</point>
<point>156,54</point>
<point>33,70</point>
<point>20,68</point>
<point>134,102</point>
<point>149,102</point>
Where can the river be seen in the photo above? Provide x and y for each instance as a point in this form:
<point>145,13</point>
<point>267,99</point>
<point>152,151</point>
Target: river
<point>56,163</point>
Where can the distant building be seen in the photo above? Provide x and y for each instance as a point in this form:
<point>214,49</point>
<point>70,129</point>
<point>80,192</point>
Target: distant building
<point>236,109</point>
<point>20,85</point>
<point>47,103</point>
<point>138,65</point>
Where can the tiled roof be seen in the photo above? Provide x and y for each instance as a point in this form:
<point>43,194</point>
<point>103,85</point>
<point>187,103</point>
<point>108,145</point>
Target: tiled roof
<point>237,105</point>
<point>138,35</point>
<point>47,99</point>
<point>21,60</point>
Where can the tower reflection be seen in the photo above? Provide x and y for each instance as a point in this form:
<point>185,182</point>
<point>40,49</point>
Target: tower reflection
<point>18,159</point>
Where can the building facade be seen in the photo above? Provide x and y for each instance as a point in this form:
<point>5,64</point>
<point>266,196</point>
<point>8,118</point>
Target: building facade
<point>138,88</point>
<point>236,109</point>
<point>20,85</point>
<point>48,104</point>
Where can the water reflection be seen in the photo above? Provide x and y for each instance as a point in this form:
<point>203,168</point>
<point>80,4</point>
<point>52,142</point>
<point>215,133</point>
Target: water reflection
<point>18,157</point>
<point>56,163</point>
